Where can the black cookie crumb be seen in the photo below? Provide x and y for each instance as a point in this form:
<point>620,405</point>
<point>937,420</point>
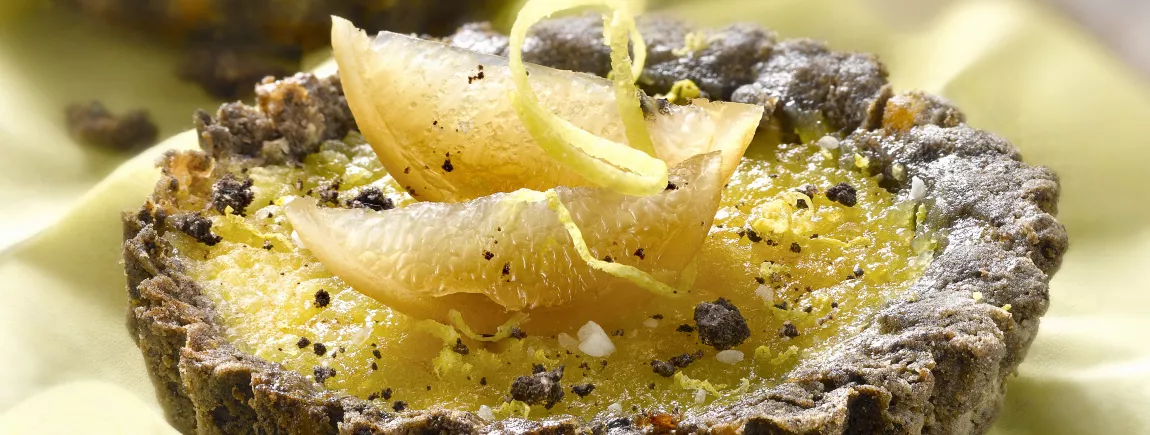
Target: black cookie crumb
<point>93,124</point>
<point>230,191</point>
<point>639,253</point>
<point>684,360</point>
<point>796,248</point>
<point>319,349</point>
<point>376,354</point>
<point>447,166</point>
<point>844,194</point>
<point>789,330</point>
<point>582,390</point>
<point>323,373</point>
<point>720,324</point>
<point>322,298</point>
<point>460,348</point>
<point>303,342</point>
<point>517,333</point>
<point>541,387</point>
<point>663,368</point>
<point>373,198</point>
<point>197,226</point>
<point>809,190</point>
<point>399,406</point>
<point>753,236</point>
<point>329,193</point>
<point>685,328</point>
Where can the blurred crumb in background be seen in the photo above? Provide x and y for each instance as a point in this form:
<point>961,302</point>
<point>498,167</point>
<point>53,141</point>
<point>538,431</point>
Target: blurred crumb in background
<point>230,44</point>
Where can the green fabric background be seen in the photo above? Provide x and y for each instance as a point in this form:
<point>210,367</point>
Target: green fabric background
<point>1014,67</point>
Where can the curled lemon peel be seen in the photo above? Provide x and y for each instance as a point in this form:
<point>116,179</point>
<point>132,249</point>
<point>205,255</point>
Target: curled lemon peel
<point>627,170</point>
<point>501,332</point>
<point>513,408</point>
<point>786,355</point>
<point>629,273</point>
<point>683,91</point>
<point>687,383</point>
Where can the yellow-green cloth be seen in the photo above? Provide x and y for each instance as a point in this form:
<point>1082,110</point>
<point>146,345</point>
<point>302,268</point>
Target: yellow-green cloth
<point>1014,67</point>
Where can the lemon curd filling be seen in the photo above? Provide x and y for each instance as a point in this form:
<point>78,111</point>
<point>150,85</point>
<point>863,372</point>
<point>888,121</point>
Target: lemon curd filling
<point>805,249</point>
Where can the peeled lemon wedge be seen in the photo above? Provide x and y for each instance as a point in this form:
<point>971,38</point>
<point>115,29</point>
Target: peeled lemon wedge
<point>510,252</point>
<point>441,122</point>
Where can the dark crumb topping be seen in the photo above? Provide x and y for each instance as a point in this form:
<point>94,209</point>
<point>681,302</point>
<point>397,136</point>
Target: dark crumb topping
<point>322,374</point>
<point>796,248</point>
<point>329,193</point>
<point>232,192</point>
<point>609,259</point>
<point>639,253</point>
<point>373,198</point>
<point>483,381</point>
<point>460,348</point>
<point>506,269</point>
<point>197,226</point>
<point>319,349</point>
<point>385,394</point>
<point>447,166</point>
<point>671,186</point>
<point>685,328</point>
<point>663,368</point>
<point>541,387</point>
<point>657,317</point>
<point>322,298</point>
<point>303,342</point>
<point>684,360</point>
<point>720,324</point>
<point>809,190</point>
<point>488,255</point>
<point>93,124</point>
<point>376,354</point>
<point>844,194</point>
<point>753,236</point>
<point>582,390</point>
<point>517,333</point>
<point>399,406</point>
<point>268,245</point>
<point>789,330</point>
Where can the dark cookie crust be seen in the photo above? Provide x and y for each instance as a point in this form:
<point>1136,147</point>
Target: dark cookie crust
<point>231,44</point>
<point>933,361</point>
<point>92,123</point>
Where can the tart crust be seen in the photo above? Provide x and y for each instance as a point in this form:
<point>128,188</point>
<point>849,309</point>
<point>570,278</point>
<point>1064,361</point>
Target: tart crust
<point>932,361</point>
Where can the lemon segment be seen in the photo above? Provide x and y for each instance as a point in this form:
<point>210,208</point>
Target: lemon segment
<point>423,104</point>
<point>510,252</point>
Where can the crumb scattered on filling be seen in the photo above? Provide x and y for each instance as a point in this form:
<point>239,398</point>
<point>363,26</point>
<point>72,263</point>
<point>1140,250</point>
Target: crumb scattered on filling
<point>793,276</point>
